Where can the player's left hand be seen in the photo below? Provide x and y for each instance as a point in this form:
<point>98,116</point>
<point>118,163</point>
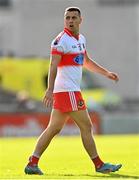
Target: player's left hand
<point>113,76</point>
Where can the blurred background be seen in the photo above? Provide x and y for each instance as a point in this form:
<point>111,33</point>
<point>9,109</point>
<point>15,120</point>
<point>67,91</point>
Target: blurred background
<point>27,28</point>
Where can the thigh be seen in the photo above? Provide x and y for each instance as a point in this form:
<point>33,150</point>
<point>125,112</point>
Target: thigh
<point>57,118</point>
<point>81,118</point>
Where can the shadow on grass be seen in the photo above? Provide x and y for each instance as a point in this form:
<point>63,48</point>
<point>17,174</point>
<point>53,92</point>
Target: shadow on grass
<point>54,176</point>
<point>90,176</point>
<point>111,175</point>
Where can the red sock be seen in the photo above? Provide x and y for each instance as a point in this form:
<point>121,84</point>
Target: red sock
<point>97,162</point>
<point>33,160</point>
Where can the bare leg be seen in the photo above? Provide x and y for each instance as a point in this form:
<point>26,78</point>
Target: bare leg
<point>56,123</point>
<point>83,121</point>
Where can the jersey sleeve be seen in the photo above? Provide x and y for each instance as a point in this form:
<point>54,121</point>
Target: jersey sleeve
<point>57,47</point>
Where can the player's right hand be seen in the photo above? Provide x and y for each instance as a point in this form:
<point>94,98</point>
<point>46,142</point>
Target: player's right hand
<point>48,98</point>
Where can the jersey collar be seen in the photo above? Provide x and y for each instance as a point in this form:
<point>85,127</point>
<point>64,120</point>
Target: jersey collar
<point>70,33</point>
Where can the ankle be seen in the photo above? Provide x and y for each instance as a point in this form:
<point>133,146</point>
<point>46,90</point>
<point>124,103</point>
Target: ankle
<point>33,160</point>
<point>97,162</point>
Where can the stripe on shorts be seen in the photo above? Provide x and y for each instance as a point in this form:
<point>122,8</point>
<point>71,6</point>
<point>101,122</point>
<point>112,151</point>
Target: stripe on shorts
<point>73,101</point>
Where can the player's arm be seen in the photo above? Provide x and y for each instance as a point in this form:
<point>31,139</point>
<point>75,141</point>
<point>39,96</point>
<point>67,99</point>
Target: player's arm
<point>54,61</point>
<point>91,65</point>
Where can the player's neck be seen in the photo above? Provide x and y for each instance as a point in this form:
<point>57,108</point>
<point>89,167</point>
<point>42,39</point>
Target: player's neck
<point>72,33</point>
<point>75,33</point>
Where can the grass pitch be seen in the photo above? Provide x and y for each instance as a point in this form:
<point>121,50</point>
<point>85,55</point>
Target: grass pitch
<point>66,158</point>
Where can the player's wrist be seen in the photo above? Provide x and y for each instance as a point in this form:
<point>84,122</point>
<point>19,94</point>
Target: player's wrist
<point>49,89</point>
<point>107,73</point>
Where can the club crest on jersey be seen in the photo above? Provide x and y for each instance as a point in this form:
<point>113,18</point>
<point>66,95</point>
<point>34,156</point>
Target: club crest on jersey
<point>79,59</point>
<point>79,46</point>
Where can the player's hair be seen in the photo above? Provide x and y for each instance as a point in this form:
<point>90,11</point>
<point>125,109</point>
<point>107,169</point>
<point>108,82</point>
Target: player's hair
<point>70,9</point>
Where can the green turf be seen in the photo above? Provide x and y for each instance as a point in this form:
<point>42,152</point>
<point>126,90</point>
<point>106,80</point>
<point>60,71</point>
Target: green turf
<point>66,158</point>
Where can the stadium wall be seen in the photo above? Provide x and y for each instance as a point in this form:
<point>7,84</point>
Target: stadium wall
<point>32,124</point>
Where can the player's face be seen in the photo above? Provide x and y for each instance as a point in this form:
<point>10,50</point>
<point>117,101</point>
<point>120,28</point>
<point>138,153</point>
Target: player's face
<point>72,20</point>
